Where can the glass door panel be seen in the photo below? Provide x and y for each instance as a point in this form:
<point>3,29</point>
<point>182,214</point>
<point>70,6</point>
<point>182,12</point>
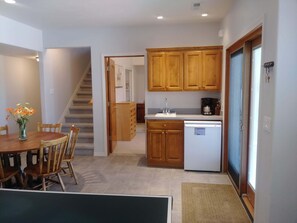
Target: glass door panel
<point>235,116</point>
<point>253,122</point>
<point>254,116</point>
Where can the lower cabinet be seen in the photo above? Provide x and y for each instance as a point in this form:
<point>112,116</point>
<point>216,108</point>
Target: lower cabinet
<point>165,143</point>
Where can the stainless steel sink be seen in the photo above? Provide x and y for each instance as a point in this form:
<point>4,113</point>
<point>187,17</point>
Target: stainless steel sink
<point>171,114</point>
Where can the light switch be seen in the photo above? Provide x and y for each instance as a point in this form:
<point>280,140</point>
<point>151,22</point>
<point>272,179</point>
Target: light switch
<point>52,91</point>
<point>267,124</point>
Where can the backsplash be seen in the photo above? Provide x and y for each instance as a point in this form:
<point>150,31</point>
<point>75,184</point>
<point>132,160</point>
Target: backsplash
<point>182,102</point>
<point>182,111</point>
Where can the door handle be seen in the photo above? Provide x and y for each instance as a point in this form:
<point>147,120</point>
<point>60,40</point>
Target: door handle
<point>241,126</point>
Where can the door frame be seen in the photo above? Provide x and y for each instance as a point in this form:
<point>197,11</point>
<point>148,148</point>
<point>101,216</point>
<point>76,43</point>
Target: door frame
<point>250,193</point>
<point>106,73</point>
<point>245,43</point>
<point>240,43</point>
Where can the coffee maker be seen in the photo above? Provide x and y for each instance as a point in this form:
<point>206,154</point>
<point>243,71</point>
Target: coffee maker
<point>208,106</point>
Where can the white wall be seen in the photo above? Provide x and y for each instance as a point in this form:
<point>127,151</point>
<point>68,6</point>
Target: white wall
<point>124,63</point>
<point>19,83</point>
<point>19,78</point>
<point>125,41</point>
<point>276,165</point>
<point>138,78</point>
<point>18,34</point>
<point>62,70</point>
<point>139,83</point>
<point>3,101</point>
<point>283,206</point>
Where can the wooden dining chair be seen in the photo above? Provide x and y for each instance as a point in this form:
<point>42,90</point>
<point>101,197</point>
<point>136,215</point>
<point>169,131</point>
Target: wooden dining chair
<point>69,154</point>
<point>50,165</point>
<point>4,130</point>
<point>6,157</point>
<point>43,127</point>
<point>8,172</point>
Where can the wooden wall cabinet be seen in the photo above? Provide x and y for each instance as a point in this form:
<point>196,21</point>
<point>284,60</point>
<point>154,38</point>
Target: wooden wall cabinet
<point>188,69</point>
<point>193,71</point>
<point>212,69</point>
<point>165,143</point>
<point>156,71</point>
<point>126,121</point>
<point>165,71</point>
<point>174,71</point>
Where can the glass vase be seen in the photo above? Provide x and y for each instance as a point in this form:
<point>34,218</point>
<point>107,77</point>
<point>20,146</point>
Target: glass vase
<point>22,132</point>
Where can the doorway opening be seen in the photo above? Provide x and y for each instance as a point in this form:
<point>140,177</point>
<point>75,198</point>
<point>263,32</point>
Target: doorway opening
<point>125,104</point>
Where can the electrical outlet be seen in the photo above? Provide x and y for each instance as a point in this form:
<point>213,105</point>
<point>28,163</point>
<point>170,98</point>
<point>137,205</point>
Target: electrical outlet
<point>267,124</point>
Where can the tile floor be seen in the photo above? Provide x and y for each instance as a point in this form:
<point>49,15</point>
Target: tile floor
<point>136,145</point>
<point>128,174</point>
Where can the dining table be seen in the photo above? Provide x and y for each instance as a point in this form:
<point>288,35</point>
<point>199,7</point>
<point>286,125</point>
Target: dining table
<point>10,144</point>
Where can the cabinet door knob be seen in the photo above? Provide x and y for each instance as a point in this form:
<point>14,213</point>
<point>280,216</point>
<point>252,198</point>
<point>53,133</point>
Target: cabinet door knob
<point>164,125</point>
<point>162,132</point>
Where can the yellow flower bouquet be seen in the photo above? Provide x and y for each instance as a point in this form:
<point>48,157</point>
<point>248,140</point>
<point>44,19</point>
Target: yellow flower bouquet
<point>21,115</point>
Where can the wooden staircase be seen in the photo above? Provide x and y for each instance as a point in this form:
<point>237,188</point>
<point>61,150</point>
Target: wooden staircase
<point>81,114</point>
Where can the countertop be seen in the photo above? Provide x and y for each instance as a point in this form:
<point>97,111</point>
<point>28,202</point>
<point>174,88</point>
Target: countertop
<point>185,117</point>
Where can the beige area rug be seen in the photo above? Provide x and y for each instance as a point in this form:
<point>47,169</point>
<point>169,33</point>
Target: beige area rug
<point>211,203</point>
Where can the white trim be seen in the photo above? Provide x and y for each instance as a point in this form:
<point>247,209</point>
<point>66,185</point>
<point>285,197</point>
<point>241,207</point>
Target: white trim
<point>66,110</point>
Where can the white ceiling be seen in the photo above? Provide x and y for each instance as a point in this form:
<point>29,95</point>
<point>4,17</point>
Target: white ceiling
<point>61,14</point>
<point>51,14</point>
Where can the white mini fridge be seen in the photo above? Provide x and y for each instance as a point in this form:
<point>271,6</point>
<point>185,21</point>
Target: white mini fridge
<point>202,145</point>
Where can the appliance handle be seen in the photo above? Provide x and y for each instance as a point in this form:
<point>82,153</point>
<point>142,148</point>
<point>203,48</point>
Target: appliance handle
<point>202,125</point>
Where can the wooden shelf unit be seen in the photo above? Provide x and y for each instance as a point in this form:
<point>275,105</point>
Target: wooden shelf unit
<point>126,121</point>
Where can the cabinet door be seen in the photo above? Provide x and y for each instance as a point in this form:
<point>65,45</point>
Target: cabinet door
<point>175,148</point>
<point>155,146</point>
<point>156,71</point>
<point>212,62</point>
<point>193,70</point>
<point>174,71</point>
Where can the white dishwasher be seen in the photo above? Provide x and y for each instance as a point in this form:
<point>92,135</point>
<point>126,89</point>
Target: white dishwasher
<point>202,145</point>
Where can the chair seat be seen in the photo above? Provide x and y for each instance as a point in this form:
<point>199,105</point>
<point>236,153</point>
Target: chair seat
<point>67,158</point>
<point>33,170</point>
<point>8,172</point>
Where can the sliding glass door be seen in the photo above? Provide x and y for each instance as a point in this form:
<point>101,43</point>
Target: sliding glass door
<point>253,121</point>
<point>235,116</point>
<point>242,90</point>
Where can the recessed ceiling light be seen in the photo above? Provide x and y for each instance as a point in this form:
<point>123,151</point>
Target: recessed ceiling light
<point>160,17</point>
<point>204,14</point>
<point>10,1</point>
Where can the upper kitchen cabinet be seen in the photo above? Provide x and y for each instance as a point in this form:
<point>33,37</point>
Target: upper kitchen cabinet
<point>165,71</point>
<point>186,68</point>
<point>174,71</point>
<point>193,71</point>
<point>156,71</point>
<point>212,69</point>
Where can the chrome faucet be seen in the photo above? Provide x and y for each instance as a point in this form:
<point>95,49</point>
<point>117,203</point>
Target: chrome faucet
<point>166,109</point>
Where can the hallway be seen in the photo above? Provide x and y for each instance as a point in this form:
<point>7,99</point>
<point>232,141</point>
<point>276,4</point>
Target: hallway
<point>136,145</point>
